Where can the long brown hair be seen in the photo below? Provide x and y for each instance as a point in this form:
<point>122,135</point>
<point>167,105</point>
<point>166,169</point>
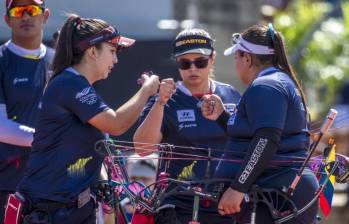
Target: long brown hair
<point>262,35</point>
<point>74,30</point>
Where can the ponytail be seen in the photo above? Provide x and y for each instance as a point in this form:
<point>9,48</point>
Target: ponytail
<point>74,30</point>
<point>262,35</point>
<point>64,57</point>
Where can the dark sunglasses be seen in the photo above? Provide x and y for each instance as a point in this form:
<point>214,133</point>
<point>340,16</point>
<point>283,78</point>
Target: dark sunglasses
<point>185,64</point>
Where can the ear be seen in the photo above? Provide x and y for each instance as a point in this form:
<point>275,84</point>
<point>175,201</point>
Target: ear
<point>7,20</point>
<point>47,14</point>
<point>248,59</point>
<point>92,52</point>
<point>213,57</point>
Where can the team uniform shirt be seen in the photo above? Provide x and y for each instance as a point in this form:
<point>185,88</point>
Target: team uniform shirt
<point>271,101</point>
<point>63,162</point>
<point>184,125</point>
<point>22,82</point>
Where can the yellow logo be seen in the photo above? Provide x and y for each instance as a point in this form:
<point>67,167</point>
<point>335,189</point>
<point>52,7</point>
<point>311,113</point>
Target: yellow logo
<point>78,169</point>
<point>187,172</point>
<point>191,41</point>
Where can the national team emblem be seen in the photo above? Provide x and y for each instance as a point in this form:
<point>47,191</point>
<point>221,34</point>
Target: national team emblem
<point>185,115</point>
<point>87,96</point>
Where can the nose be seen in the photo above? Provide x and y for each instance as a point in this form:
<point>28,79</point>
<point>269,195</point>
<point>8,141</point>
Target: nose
<point>115,58</point>
<point>26,15</point>
<point>192,66</point>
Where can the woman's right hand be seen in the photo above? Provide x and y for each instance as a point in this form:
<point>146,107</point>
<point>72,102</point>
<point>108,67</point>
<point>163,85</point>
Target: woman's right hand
<point>150,84</point>
<point>212,106</point>
<point>166,90</point>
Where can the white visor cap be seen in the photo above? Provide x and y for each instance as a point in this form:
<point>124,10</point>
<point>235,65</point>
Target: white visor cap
<point>240,44</point>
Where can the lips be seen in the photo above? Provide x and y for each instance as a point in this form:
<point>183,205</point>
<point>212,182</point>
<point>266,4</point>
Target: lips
<point>24,26</point>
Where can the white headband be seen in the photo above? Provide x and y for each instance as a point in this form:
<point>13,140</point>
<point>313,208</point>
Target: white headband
<point>240,44</point>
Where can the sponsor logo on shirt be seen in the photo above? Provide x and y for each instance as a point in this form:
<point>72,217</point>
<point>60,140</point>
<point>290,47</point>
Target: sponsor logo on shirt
<point>78,168</point>
<point>187,172</point>
<point>230,107</point>
<point>18,80</point>
<point>181,126</point>
<point>231,120</point>
<point>86,96</point>
<point>185,115</point>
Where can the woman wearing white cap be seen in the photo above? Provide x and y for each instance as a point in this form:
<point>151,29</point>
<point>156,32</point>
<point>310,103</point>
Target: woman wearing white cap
<point>179,121</point>
<point>270,123</point>
<point>63,165</point>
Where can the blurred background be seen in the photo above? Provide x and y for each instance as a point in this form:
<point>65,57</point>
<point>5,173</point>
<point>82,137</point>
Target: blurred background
<point>316,33</point>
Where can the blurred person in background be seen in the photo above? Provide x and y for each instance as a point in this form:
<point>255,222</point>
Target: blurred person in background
<point>63,166</point>
<point>24,71</point>
<point>178,121</point>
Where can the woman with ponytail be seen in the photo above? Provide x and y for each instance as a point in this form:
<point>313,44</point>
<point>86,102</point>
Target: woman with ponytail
<point>270,123</point>
<point>63,165</point>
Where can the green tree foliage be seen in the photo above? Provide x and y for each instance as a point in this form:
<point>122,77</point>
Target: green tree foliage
<point>318,45</point>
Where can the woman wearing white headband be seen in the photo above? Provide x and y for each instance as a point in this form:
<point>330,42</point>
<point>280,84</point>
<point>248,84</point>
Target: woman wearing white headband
<point>270,123</point>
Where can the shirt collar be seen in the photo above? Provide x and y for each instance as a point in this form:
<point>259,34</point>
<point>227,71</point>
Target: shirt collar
<point>186,91</point>
<point>26,53</point>
<point>267,71</point>
<point>72,70</point>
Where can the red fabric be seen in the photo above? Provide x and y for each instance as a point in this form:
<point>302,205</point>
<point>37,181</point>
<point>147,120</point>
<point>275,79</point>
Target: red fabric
<point>121,219</point>
<point>325,206</point>
<point>13,212</point>
<point>142,219</point>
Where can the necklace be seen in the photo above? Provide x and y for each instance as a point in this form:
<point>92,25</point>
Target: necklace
<point>198,97</point>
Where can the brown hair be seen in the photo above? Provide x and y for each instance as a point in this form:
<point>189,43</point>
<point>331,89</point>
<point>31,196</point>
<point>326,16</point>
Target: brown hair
<point>74,30</point>
<point>262,35</point>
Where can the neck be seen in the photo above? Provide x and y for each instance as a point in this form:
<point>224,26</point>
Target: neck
<point>199,89</point>
<point>86,70</point>
<point>30,43</point>
<point>255,70</point>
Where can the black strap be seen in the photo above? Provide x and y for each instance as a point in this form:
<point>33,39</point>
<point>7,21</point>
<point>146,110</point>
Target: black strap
<point>222,120</point>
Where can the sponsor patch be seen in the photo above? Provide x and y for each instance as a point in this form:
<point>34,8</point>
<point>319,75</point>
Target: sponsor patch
<point>186,115</point>
<point>230,107</point>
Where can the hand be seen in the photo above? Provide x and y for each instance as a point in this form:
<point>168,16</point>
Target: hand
<point>150,84</point>
<point>212,106</point>
<point>166,89</point>
<point>230,202</point>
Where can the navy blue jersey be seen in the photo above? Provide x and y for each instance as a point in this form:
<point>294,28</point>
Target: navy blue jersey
<point>271,101</point>
<point>22,82</point>
<point>63,161</point>
<point>184,125</point>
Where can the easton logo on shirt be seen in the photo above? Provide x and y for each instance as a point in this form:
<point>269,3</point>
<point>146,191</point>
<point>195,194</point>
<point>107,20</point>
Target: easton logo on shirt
<point>185,115</point>
<point>86,96</point>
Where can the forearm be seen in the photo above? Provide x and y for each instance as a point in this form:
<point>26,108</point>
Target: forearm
<point>149,132</point>
<point>14,133</point>
<point>128,113</point>
<point>262,148</point>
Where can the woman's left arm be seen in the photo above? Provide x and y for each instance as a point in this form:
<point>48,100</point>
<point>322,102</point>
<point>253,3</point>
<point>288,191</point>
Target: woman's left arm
<point>266,110</point>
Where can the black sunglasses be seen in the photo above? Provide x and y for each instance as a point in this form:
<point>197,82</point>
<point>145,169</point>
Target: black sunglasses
<point>185,64</point>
